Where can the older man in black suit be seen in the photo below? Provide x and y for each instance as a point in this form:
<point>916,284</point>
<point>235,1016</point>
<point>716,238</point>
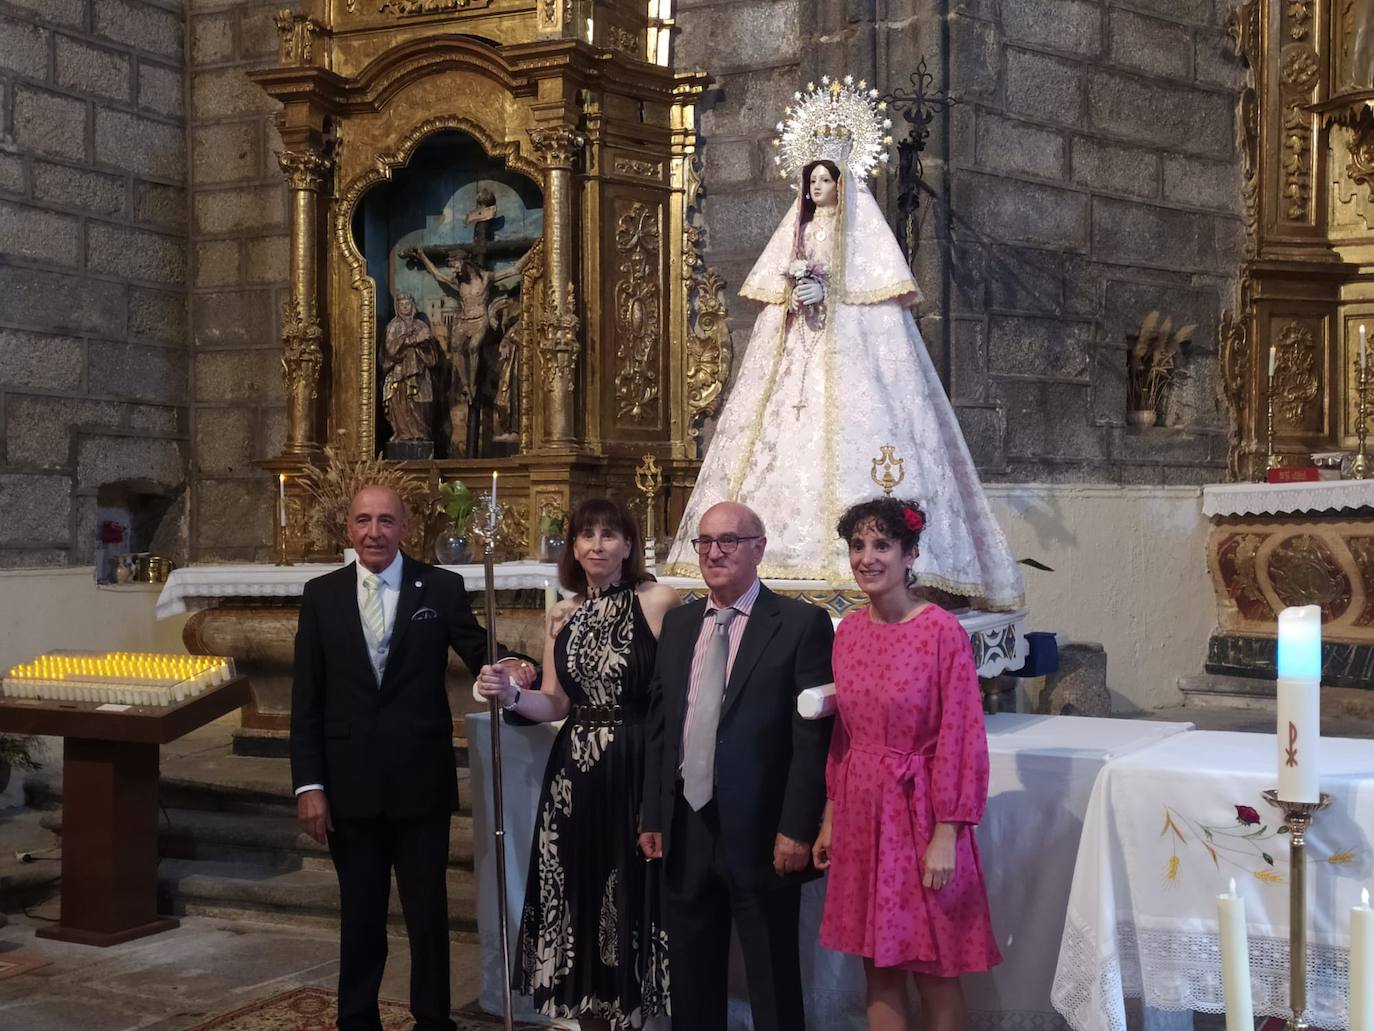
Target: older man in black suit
<point>371,750</point>
<point>735,779</point>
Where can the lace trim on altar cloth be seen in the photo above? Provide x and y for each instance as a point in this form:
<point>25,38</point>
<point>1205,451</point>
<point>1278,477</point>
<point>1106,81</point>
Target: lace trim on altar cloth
<point>1183,972</point>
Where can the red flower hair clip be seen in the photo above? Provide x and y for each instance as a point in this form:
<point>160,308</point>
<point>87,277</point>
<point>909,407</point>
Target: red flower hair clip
<point>915,521</point>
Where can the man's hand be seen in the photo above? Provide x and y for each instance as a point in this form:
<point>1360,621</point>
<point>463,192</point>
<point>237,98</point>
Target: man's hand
<point>496,682</point>
<point>520,671</point>
<point>651,844</point>
<point>312,813</point>
<point>789,856</point>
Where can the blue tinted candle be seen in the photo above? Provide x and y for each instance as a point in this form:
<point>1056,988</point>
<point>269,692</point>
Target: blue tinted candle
<point>1299,703</point>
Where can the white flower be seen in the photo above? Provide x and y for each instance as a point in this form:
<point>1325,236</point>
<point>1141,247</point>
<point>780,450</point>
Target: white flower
<point>883,158</point>
<point>825,80</point>
<point>873,93</point>
<point>796,95</point>
<point>849,80</point>
<point>799,269</point>
<point>887,123</point>
<point>782,126</point>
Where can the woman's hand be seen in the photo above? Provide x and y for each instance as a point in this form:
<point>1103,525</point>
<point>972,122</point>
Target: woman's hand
<point>938,864</point>
<point>820,850</point>
<point>494,682</point>
<point>808,291</point>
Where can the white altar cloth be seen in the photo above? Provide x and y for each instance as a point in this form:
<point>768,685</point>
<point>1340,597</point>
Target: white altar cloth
<point>198,587</point>
<point>1042,774</point>
<point>1166,830</point>
<point>1247,499</point>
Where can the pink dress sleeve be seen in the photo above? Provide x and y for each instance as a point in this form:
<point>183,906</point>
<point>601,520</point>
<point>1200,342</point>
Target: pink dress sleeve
<point>959,772</point>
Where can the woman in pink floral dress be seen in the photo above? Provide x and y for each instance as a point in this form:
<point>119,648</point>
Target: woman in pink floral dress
<point>907,780</point>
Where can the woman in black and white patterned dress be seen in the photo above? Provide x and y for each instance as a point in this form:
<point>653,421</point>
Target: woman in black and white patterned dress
<point>591,947</point>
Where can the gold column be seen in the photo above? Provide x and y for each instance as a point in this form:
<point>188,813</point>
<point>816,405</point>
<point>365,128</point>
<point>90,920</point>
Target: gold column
<point>558,343</point>
<point>302,333</point>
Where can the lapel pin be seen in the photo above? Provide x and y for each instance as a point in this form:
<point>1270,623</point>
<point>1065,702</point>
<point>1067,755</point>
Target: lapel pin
<point>417,583</point>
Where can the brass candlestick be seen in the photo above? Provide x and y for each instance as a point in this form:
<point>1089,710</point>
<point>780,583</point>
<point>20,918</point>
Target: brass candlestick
<point>649,480</point>
<point>1360,467</point>
<point>1271,460</point>
<point>1298,816</point>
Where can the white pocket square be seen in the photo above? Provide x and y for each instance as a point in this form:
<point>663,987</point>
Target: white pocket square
<point>425,613</point>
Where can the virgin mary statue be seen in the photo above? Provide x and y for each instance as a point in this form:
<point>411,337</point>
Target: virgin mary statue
<point>835,372</point>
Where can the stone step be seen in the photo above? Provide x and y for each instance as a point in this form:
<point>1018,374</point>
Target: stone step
<point>1219,691</point>
<point>217,785</point>
<point>272,841</point>
<point>248,892</point>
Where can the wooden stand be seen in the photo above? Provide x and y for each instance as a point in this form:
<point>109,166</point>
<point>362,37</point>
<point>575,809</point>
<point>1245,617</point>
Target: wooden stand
<point>110,799</point>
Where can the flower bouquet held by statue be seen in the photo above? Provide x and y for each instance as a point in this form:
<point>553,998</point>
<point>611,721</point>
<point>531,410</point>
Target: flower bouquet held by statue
<point>804,276</point>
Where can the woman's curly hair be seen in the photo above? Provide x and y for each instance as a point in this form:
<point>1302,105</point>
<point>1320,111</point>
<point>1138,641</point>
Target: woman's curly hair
<point>898,519</point>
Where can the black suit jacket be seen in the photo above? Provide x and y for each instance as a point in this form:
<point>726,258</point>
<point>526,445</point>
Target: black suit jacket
<point>388,750</point>
<point>770,763</point>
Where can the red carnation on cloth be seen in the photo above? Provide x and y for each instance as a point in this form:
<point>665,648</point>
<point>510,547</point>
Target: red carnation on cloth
<point>915,521</point>
<point>1247,815</point>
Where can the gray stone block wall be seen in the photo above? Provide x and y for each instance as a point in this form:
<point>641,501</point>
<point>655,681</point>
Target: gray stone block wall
<point>93,274</point>
<point>238,261</point>
<point>1090,175</point>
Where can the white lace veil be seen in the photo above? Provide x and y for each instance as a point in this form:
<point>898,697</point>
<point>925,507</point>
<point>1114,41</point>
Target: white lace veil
<point>866,274</point>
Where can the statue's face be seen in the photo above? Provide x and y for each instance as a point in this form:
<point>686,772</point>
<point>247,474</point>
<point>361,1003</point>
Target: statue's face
<point>822,187</point>
<point>405,307</point>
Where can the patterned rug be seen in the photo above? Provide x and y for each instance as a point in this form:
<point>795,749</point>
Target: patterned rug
<point>312,1009</point>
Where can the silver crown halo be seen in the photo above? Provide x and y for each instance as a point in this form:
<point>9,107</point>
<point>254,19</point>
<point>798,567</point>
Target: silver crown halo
<point>839,120</point>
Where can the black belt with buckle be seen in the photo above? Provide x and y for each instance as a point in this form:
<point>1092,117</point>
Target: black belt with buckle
<point>607,715</point>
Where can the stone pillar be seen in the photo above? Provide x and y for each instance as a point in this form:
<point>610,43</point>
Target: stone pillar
<point>302,334</point>
<point>558,343</point>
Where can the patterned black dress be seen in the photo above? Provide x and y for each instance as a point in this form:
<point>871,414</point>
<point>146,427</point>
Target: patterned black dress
<point>590,937</point>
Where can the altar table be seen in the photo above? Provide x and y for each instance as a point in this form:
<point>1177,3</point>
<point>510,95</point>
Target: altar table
<point>1042,774</point>
<point>1167,828</point>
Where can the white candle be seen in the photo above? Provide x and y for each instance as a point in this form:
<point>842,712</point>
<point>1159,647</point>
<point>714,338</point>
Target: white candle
<point>1299,707</point>
<point>1273,359</point>
<point>1235,961</point>
<point>550,596</point>
<point>281,499</point>
<point>1362,347</point>
<point>1362,966</point>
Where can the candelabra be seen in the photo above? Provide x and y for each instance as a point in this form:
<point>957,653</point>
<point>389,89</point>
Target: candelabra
<point>1360,468</point>
<point>649,480</point>
<point>1271,460</point>
<point>1298,817</point>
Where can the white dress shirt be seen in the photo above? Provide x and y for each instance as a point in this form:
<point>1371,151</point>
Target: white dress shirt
<point>376,650</point>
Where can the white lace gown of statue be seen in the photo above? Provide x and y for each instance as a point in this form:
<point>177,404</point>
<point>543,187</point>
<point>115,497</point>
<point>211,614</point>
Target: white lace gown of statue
<point>815,401</point>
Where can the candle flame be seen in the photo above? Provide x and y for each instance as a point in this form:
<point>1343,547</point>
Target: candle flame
<point>1233,885</point>
<point>1364,896</point>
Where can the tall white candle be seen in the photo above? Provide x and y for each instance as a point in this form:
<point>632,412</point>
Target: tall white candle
<point>550,596</point>
<point>1362,966</point>
<point>1273,359</point>
<point>1362,347</point>
<point>1235,961</point>
<point>281,499</point>
<point>1299,707</point>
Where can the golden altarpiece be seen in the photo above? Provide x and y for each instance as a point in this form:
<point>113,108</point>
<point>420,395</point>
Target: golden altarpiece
<point>518,180</point>
<point>494,267</point>
<point>1290,353</point>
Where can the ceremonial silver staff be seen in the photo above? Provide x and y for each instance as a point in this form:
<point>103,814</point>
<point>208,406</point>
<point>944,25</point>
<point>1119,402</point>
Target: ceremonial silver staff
<point>494,707</point>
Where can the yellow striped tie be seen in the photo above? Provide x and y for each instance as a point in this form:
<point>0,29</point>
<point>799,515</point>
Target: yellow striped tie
<point>374,616</point>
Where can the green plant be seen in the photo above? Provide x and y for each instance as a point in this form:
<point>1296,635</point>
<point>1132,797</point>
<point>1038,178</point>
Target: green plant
<point>550,523</point>
<point>458,504</point>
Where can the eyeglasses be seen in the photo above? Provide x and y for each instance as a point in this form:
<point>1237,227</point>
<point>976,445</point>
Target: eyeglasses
<point>726,542</point>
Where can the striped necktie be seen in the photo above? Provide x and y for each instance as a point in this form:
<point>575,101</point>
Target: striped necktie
<point>374,616</point>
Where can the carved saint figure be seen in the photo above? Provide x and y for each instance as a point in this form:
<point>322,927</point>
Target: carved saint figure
<point>835,369</point>
<point>408,359</point>
<point>1360,68</point>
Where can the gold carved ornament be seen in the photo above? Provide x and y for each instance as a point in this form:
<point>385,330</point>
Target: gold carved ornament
<point>639,169</point>
<point>404,8</point>
<point>1244,28</point>
<point>1295,381</point>
<point>528,330</point>
<point>558,346</point>
<point>305,169</point>
<point>295,36</point>
<point>302,349</point>
<point>1304,572</point>
<point>1236,560</point>
<point>555,145</point>
<point>1297,75</point>
<point>638,307</point>
<point>625,41</point>
<point>887,463</point>
<point>1232,386</point>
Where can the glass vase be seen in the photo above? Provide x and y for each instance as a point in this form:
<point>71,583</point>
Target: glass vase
<point>451,548</point>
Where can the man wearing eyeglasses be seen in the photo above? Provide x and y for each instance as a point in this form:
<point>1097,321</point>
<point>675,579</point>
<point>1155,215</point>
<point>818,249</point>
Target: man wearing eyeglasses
<point>734,782</point>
